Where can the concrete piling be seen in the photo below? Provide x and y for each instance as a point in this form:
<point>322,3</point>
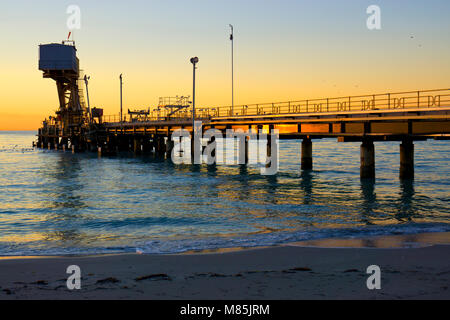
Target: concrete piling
<point>407,160</point>
<point>367,160</point>
<point>307,161</point>
<point>144,142</point>
<point>247,141</point>
<point>269,145</point>
<point>160,146</point>
<point>169,147</point>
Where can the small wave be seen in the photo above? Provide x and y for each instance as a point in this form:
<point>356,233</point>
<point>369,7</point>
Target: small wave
<point>17,149</point>
<point>277,238</point>
<point>174,246</point>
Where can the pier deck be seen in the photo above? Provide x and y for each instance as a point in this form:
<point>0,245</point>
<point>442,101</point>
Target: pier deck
<point>403,116</point>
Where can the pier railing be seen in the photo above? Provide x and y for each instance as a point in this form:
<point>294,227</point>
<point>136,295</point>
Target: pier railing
<point>424,99</point>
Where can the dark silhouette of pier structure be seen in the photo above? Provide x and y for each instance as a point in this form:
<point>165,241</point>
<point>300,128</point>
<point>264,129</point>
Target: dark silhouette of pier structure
<point>401,116</point>
<point>404,117</point>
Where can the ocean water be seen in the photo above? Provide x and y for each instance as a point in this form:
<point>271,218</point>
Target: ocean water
<point>55,203</point>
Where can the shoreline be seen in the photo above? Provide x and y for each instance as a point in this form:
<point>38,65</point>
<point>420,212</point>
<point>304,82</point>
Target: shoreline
<point>402,241</point>
<point>291,271</point>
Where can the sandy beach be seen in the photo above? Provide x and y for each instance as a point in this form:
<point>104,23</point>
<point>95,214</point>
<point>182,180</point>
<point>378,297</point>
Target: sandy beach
<point>286,272</point>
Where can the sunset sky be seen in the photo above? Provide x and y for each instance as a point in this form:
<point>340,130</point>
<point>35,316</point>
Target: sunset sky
<point>284,50</point>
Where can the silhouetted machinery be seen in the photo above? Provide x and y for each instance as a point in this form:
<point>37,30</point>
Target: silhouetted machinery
<point>139,115</point>
<point>175,106</point>
<point>73,119</point>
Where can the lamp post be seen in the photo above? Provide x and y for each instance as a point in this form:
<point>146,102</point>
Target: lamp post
<point>121,83</point>
<point>232,69</point>
<point>194,62</point>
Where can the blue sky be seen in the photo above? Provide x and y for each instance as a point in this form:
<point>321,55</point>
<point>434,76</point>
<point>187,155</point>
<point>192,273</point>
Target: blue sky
<point>284,49</point>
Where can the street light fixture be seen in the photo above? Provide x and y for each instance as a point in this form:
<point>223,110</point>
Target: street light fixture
<point>121,84</point>
<point>194,62</point>
<point>232,68</point>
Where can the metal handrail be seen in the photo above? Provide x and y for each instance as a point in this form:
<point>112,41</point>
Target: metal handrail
<point>421,99</point>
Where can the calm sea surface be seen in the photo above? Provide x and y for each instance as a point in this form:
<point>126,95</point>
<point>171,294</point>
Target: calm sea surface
<point>55,203</point>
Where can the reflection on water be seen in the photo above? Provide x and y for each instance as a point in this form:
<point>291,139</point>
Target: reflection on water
<point>406,211</point>
<point>306,185</point>
<point>395,241</point>
<point>66,201</point>
<point>369,199</point>
<point>54,202</point>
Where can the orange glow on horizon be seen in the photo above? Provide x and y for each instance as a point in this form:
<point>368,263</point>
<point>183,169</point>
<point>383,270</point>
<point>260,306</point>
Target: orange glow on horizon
<point>302,52</point>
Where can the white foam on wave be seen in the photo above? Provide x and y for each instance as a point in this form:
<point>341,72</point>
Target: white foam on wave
<point>173,246</point>
<point>166,246</point>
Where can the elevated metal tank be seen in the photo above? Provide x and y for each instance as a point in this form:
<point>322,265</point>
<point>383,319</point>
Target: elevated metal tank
<point>55,56</point>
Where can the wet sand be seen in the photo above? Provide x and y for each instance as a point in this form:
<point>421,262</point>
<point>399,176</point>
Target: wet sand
<point>295,271</point>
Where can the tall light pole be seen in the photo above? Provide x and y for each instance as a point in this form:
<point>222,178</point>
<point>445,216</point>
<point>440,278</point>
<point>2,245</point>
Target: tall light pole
<point>232,69</point>
<point>121,83</point>
<point>194,62</point>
